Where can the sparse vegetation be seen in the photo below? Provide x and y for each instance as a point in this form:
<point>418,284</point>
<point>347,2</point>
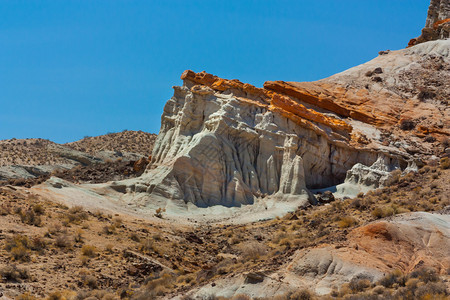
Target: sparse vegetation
<point>95,240</point>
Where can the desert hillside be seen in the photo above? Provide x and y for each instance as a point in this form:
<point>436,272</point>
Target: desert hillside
<point>126,141</point>
<point>51,251</point>
<point>100,158</point>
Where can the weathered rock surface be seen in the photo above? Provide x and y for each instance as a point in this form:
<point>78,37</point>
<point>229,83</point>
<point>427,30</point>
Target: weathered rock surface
<point>232,143</point>
<point>437,25</point>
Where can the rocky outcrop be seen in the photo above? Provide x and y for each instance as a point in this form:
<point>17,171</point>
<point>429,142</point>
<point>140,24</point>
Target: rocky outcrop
<point>224,142</point>
<point>437,25</point>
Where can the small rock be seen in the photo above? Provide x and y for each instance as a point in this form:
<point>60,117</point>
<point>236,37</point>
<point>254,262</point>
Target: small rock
<point>378,71</point>
<point>254,277</point>
<point>377,79</point>
<point>326,197</point>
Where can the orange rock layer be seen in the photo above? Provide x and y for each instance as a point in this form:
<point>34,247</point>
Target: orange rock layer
<point>274,101</point>
<point>438,23</point>
<point>323,101</point>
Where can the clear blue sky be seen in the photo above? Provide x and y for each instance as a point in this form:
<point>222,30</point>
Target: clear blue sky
<point>74,68</point>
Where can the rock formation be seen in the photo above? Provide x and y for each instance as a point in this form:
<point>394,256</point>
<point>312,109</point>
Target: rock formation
<point>437,25</point>
<point>224,142</point>
<point>229,143</point>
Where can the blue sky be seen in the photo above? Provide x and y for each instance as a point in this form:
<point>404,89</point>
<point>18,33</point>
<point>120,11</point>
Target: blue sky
<point>74,68</point>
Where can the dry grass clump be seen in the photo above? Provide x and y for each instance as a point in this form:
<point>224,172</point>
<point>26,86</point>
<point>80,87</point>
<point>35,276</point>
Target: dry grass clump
<point>88,279</point>
<point>109,229</point>
<point>347,221</point>
<point>135,237</point>
<point>18,247</point>
<point>26,296</point>
<point>252,250</point>
<point>63,241</point>
<point>147,246</point>
<point>89,251</point>
<point>96,294</point>
<point>29,217</point>
<point>75,215</point>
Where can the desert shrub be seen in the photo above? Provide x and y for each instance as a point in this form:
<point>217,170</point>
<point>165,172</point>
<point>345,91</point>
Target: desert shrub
<point>389,280</point>
<point>90,281</point>
<point>96,294</point>
<point>241,297</point>
<point>425,275</point>
<point>407,124</point>
<point>89,251</point>
<point>38,209</point>
<point>135,237</point>
<point>38,244</point>
<point>20,253</point>
<point>18,246</point>
<point>117,221</point>
<point>432,289</point>
<point>301,295</point>
<point>16,241</point>
<point>252,250</point>
<point>26,296</point>
<point>377,212</point>
<point>157,237</point>
<point>109,229</point>
<point>156,287</point>
<point>445,163</point>
<point>109,248</point>
<point>76,215</point>
<point>78,237</point>
<point>56,296</point>
<point>147,246</point>
<point>63,241</point>
<point>30,217</point>
<point>359,285</point>
<point>347,221</point>
<point>54,229</point>
<point>387,211</point>
<point>4,211</point>
<point>14,273</point>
